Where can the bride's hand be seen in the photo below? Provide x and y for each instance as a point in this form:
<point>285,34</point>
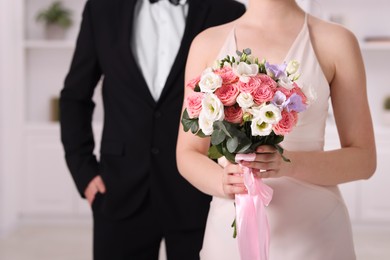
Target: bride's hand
<point>232,181</point>
<point>268,162</point>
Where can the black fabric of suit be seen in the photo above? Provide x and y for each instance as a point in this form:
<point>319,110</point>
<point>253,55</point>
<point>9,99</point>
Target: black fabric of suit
<point>137,155</point>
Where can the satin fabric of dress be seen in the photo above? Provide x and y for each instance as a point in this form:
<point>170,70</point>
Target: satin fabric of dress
<point>306,221</point>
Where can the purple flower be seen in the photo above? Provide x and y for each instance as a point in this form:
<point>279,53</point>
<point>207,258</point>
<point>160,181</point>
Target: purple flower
<point>276,70</point>
<point>279,100</point>
<point>294,103</point>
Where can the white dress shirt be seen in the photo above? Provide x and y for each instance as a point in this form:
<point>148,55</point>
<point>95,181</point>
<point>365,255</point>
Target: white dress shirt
<point>157,33</point>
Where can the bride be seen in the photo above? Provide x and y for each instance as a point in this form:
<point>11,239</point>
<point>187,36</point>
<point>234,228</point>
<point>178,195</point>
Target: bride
<point>307,215</point>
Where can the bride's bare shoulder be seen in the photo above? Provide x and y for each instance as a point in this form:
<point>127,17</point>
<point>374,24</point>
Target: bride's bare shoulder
<point>334,32</point>
<point>209,42</point>
<point>332,43</point>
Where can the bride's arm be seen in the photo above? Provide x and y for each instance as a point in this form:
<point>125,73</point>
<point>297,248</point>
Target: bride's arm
<point>191,151</point>
<point>357,157</point>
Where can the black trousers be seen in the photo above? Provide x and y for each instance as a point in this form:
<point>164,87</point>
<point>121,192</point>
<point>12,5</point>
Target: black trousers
<point>138,237</point>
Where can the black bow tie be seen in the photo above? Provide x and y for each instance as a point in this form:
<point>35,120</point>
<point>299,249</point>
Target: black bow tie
<point>174,2</point>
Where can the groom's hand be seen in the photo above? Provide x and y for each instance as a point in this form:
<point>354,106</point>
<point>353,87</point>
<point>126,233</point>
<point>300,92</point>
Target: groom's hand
<point>95,185</point>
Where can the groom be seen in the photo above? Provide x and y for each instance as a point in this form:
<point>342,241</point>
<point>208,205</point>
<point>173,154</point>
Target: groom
<point>139,49</point>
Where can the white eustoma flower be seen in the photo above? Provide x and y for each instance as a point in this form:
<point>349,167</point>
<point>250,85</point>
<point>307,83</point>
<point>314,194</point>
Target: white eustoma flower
<point>245,100</point>
<point>260,127</point>
<point>285,82</point>
<point>245,71</point>
<point>292,67</point>
<point>212,108</point>
<point>205,124</point>
<point>209,81</point>
<point>270,114</point>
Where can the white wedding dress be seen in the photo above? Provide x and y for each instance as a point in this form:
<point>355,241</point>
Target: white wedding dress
<point>307,222</point>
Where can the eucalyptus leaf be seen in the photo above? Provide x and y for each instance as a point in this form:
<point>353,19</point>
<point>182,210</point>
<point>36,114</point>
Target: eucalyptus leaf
<point>228,155</point>
<point>214,153</point>
<point>201,134</point>
<point>244,148</point>
<point>222,125</point>
<point>218,136</point>
<point>232,144</point>
<point>247,51</point>
<point>189,123</point>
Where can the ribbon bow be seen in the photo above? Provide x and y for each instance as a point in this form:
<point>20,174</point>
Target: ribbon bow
<point>251,219</point>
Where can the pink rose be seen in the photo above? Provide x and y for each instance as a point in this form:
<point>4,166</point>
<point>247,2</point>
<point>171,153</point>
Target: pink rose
<point>263,94</point>
<point>193,104</point>
<point>234,114</point>
<point>267,81</point>
<point>251,85</point>
<point>193,83</point>
<point>227,94</point>
<point>285,125</point>
<point>227,75</point>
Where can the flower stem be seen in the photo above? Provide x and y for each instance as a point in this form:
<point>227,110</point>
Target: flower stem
<point>234,226</point>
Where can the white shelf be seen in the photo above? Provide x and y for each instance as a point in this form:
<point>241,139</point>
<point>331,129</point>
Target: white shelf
<point>379,129</point>
<point>49,44</point>
<point>375,46</point>
<point>54,126</point>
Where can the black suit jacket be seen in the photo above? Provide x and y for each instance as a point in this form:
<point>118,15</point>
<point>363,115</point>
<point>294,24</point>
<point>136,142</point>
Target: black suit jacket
<point>137,156</point>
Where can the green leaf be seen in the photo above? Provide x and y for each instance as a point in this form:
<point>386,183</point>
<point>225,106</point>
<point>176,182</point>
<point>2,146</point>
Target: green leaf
<point>214,153</point>
<point>247,51</point>
<point>201,134</point>
<point>222,125</point>
<point>189,123</point>
<point>244,148</point>
<point>218,136</point>
<point>228,155</point>
<point>234,226</point>
<point>280,150</point>
<point>239,141</point>
<point>278,139</point>
<point>232,144</point>
<point>56,14</point>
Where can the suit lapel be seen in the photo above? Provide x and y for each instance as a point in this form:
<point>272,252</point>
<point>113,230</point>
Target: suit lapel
<point>197,11</point>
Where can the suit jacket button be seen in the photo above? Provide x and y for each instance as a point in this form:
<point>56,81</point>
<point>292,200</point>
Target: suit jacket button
<point>155,150</point>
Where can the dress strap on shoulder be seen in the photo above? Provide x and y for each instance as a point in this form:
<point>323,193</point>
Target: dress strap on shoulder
<point>230,45</point>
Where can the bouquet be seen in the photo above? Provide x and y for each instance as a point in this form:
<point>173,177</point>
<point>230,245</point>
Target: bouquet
<point>241,104</point>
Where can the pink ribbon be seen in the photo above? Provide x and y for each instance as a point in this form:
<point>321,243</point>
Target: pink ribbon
<point>251,218</point>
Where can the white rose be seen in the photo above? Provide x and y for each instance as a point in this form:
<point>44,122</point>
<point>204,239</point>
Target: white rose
<point>212,108</point>
<point>292,67</point>
<point>260,128</point>
<point>205,124</point>
<point>209,81</point>
<point>244,70</point>
<point>245,100</point>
